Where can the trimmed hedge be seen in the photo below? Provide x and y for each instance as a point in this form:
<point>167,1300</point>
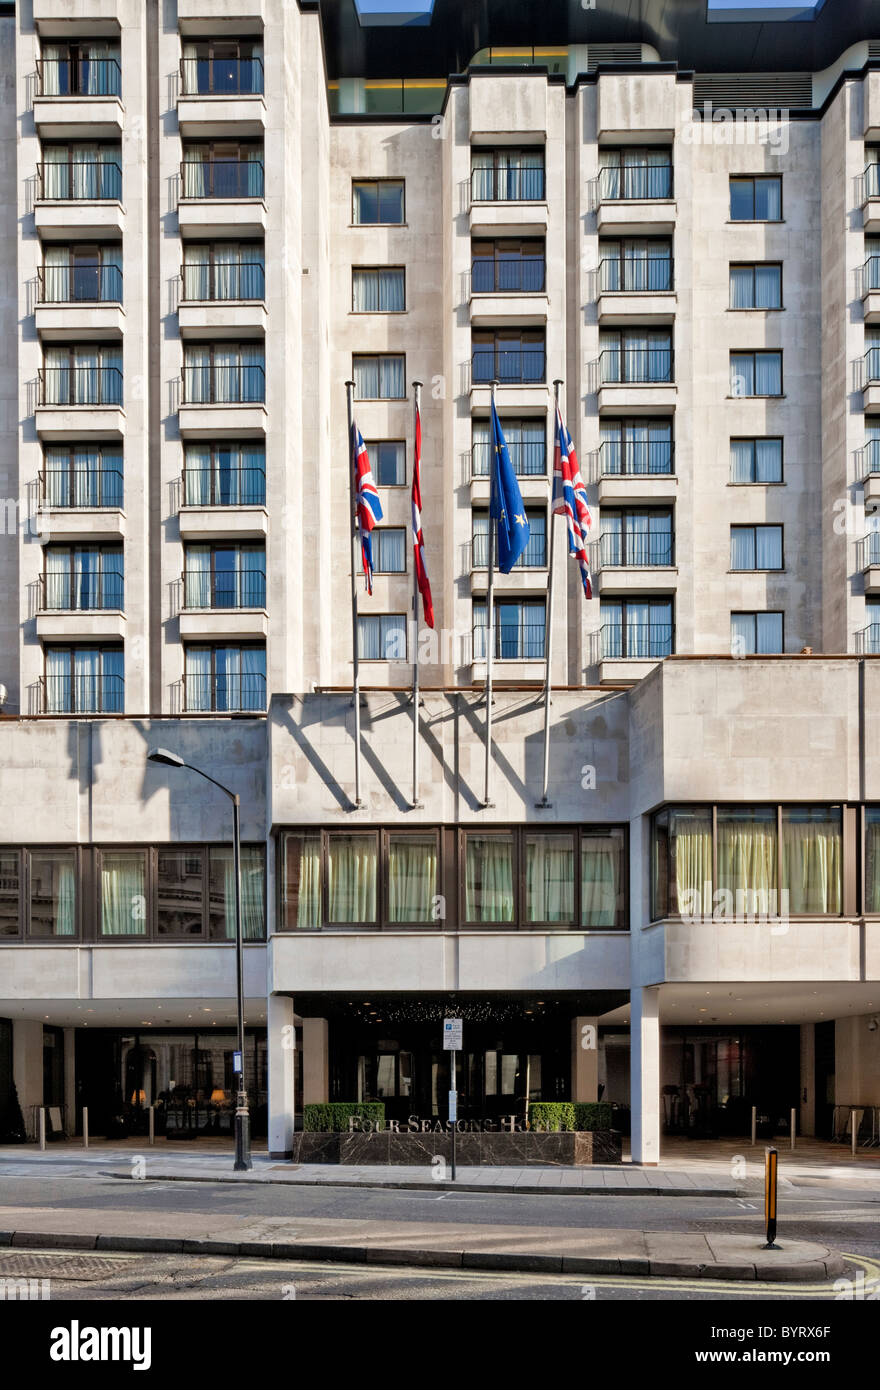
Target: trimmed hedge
<point>547,1116</point>
<point>333,1117</point>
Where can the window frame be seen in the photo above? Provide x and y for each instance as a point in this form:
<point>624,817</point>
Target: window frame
<point>755,353</point>
<point>376,270</point>
<point>756,613</point>
<point>754,179</point>
<point>70,648</point>
<point>377,182</point>
<point>755,440</point>
<point>198,644</point>
<point>509,422</point>
<point>753,308</point>
<point>514,599</point>
<point>216,446</point>
<point>757,526</point>
<point>626,512</point>
<point>378,356</point>
<point>373,446</point>
<point>382,834</point>
<point>539,509</point>
<point>391,660</point>
<point>624,600</point>
<point>377,569</point>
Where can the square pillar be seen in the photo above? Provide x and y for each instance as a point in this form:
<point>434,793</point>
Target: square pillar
<point>27,1069</point>
<point>316,1061</point>
<point>807,1118</point>
<point>282,1063</point>
<point>645,1074</point>
<point>70,1082</point>
<point>584,1059</point>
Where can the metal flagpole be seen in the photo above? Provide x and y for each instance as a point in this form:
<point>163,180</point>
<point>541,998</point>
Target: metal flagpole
<point>417,395</point>
<point>548,632</point>
<point>490,616</point>
<point>355,692</point>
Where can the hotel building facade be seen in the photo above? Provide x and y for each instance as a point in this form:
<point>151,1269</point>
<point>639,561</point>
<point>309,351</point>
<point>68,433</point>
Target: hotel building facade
<point>217,212</point>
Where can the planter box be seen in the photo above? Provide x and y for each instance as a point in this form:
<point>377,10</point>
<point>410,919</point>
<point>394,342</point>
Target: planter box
<point>524,1148</point>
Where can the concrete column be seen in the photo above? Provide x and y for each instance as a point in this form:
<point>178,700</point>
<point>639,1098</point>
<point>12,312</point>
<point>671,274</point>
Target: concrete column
<point>807,1096</point>
<point>584,1059</point>
<point>27,1068</point>
<point>315,1061</point>
<point>70,1081</point>
<point>281,1038</point>
<point>645,1074</point>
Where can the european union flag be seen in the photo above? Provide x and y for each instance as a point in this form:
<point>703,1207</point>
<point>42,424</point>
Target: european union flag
<point>506,504</point>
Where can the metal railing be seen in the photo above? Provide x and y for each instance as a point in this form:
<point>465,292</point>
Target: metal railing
<point>82,592</point>
<point>74,487</point>
<point>533,557</point>
<point>80,180</point>
<point>525,276</point>
<point>79,77</point>
<point>227,280</point>
<point>635,274</point>
<point>80,386</point>
<point>83,694</point>
<point>872,364</point>
<point>871,274</point>
<point>510,366</point>
<point>234,77</point>
<point>868,640</point>
<point>224,487</point>
<point>507,185</point>
<point>87,281</point>
<point>528,459</point>
<point>628,457</point>
<point>219,385</point>
<point>643,551</point>
<point>650,366</point>
<point>224,693</point>
<point>224,589</point>
<point>221,178</point>
<point>872,180</point>
<point>523,642</point>
<point>638,183</point>
<point>871,458</point>
<point>868,550</point>
<point>630,641</point>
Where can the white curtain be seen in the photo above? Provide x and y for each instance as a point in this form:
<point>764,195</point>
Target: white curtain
<point>252,273</point>
<point>253,891</point>
<point>190,71</point>
<point>412,877</point>
<point>196,271</point>
<point>58,680</point>
<point>253,678</point>
<point>768,286</point>
<point>227,271</point>
<point>351,878</point>
<point>768,547</point>
<point>196,374</point>
<point>768,374</point>
<point>549,878</point>
<point>56,172</point>
<point>482,176</point>
<point>56,274</point>
<point>197,475</point>
<point>768,199</point>
<point>123,894</point>
<point>55,69</point>
<point>601,879</point>
<point>378,291</point>
<point>197,572</point>
<point>101,71</point>
<point>198,678</point>
<point>87,476</point>
<point>811,861</point>
<point>110,274</point>
<point>390,556</point>
<point>381,637</point>
<point>253,362</point>
<point>196,171</point>
<point>755,634</point>
<point>379,378</point>
<point>489,889</point>
<point>742,547</point>
<point>302,881</point>
<point>741,287</point>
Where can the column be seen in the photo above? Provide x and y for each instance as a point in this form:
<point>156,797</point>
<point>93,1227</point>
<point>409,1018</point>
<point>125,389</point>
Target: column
<point>316,1061</point>
<point>27,1069</point>
<point>584,1059</point>
<point>645,1073</point>
<point>70,1082</point>
<point>807,1124</point>
<point>281,1039</point>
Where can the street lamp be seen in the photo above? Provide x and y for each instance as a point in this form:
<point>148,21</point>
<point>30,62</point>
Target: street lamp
<point>242,1117</point>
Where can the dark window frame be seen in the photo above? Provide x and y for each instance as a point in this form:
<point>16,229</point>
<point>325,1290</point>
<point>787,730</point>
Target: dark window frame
<point>369,356</point>
<point>760,526</point>
<point>623,601</point>
<point>760,612</point>
<point>376,183</point>
<point>755,440</point>
<point>212,646</point>
<point>753,308</point>
<point>70,647</point>
<point>627,512</point>
<point>373,446</point>
<point>754,179</point>
<point>755,353</point>
<point>405,623</point>
<point>217,446</point>
<point>375,270</point>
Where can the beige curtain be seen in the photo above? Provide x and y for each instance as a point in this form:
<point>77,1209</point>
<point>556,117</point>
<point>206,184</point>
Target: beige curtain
<point>412,877</point>
<point>351,878</point>
<point>690,837</point>
<point>811,863</point>
<point>747,858</point>
<point>549,878</point>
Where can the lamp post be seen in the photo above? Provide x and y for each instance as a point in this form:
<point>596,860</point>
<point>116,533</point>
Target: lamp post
<point>242,1117</point>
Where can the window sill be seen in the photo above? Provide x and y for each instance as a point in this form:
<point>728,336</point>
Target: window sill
<point>780,397</point>
<point>757,309</point>
<point>757,571</point>
<point>361,225</point>
<point>386,313</point>
<point>756,221</point>
<point>780,483</point>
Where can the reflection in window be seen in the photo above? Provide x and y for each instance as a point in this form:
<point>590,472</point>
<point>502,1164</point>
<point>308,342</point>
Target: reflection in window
<point>412,877</point>
<point>682,862</point>
<point>351,878</point>
<point>222,894</point>
<point>180,892</point>
<point>53,893</point>
<point>301,881</point>
<point>872,859</point>
<point>123,893</point>
<point>489,894</point>
<point>811,859</point>
<point>10,891</point>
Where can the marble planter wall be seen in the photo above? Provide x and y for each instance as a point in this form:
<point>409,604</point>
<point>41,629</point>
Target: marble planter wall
<point>472,1150</point>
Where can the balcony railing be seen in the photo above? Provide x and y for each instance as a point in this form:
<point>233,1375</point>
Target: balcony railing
<point>872,365</point>
<point>233,77</point>
<point>632,641</point>
<point>80,180</point>
<point>508,277</point>
<point>79,77</point>
<point>83,694</point>
<point>638,184</point>
<point>80,386</point>
<point>219,385</point>
<point>871,274</point>
<point>634,549</point>
<point>528,459</point>
<point>635,274</point>
<point>533,557</point>
<point>507,185</point>
<point>512,367</point>
<point>221,178</point>
<point>868,640</point>
<point>225,694</point>
<point>871,458</point>
<point>868,550</point>
<point>872,180</point>
<point>225,589</point>
<point>85,282</point>
<point>631,457</point>
<point>224,487</point>
<point>636,366</point>
<point>229,280</point>
<point>82,592</point>
<point>523,642</point>
<point>73,487</point>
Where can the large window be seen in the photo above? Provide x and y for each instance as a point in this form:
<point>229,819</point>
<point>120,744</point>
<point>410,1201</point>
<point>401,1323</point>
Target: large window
<point>221,67</point>
<point>224,373</point>
<point>538,878</point>
<point>123,893</point>
<point>639,537</point>
<point>512,356</point>
<point>195,891</point>
<point>389,550</point>
<point>756,287</point>
<point>87,68</point>
<point>635,265</point>
<point>756,547</point>
<point>381,636</point>
<point>82,475</point>
<point>756,199</point>
<point>756,460</point>
<point>388,457</point>
<point>635,446</point>
<point>379,378</point>
<point>82,577</point>
<point>636,629</point>
<point>334,878</point>
<point>535,554</point>
<point>635,355</point>
<point>82,170</point>
<point>507,266</point>
<point>755,634</point>
<point>225,678</point>
<point>635,172</point>
<point>520,629</point>
<point>507,175</point>
<point>84,680</point>
<point>223,270</point>
<point>228,473</point>
<point>222,169</point>
<point>378,290</point>
<point>872,859</point>
<point>377,202</point>
<point>53,892</point>
<point>81,273</point>
<point>224,576</point>
<point>87,374</point>
<point>756,373</point>
<point>526,444</point>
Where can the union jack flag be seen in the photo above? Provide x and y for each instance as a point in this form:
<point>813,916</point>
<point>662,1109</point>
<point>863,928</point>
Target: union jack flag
<point>570,500</point>
<point>418,538</point>
<point>369,508</point>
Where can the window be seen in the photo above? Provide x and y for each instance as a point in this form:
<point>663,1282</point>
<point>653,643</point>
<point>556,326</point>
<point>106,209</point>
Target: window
<point>233,67</point>
<point>222,169</point>
<point>377,201</point>
<point>489,885</point>
<point>389,550</point>
<point>381,636</point>
<point>225,678</point>
<point>84,680</point>
<point>10,892</point>
<point>352,866</point>
<point>869,637</point>
<point>635,629</point>
<point>89,374</point>
<point>387,879</point>
<point>224,373</point>
<point>635,172</point>
<point>756,547</point>
<point>221,893</point>
<point>635,266</point>
<point>82,169</point>
<point>301,872</point>
<point>526,444</point>
<point>224,576</point>
<point>180,892</point>
<point>756,460</point>
<point>756,199</point>
<point>569,877</point>
<point>755,634</point>
<point>82,475</point>
<point>756,287</point>
<point>812,859</point>
<point>81,273</point>
<point>872,354</point>
<point>871,273</point>
<point>380,290</point>
<point>81,577</point>
<point>225,474</point>
<point>413,875</point>
<point>507,267</point>
<point>519,630</point>
<point>511,356</point>
<point>641,538</point>
<point>53,893</point>
<point>123,893</point>
<point>389,462</point>
<point>756,373</point>
<point>85,68</point>
<point>872,860</point>
<point>379,378</point>
<point>635,355</point>
<point>635,446</point>
<point>223,270</point>
<point>535,554</point>
<point>507,175</point>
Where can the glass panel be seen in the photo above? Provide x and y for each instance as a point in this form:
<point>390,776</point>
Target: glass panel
<point>123,894</point>
<point>301,882</point>
<point>351,878</point>
<point>53,893</point>
<point>747,860</point>
<point>689,866</point>
<point>549,878</point>
<point>180,892</point>
<point>489,890</point>
<point>10,891</point>
<point>872,859</point>
<point>412,877</point>
<point>389,456</point>
<point>221,894</point>
<point>602,879</point>
<point>811,859</point>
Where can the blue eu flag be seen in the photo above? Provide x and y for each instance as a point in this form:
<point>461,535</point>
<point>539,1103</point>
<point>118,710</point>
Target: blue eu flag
<point>506,504</point>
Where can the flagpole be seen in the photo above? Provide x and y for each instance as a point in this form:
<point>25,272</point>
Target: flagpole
<point>548,635</point>
<point>355,690</point>
<point>417,395</point>
<point>490,619</point>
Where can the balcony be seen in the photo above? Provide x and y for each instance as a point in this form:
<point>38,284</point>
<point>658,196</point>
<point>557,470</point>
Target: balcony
<point>81,197</point>
<point>224,297</point>
<point>529,572</point>
<point>220,504</point>
<point>79,403</point>
<point>221,97</point>
<point>868,640</point>
<point>221,198</point>
<point>78,19</point>
<point>871,200</point>
<point>871,290</point>
<point>636,381</point>
<point>81,505</point>
<point>634,289</point>
<point>635,201</point>
<point>69,296</point>
<point>520,373</point>
<point>508,293</point>
<point>220,402</point>
<point>507,202</point>
<point>78,99</point>
<point>224,694</point>
<point>627,653</point>
<point>636,471</point>
<point>868,560</point>
<point>871,473</point>
<point>219,605</point>
<point>79,694</point>
<point>78,606</point>
<point>633,563</point>
<point>871,380</point>
<point>522,642</point>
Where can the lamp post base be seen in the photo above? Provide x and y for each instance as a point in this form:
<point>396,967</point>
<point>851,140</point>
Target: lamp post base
<point>242,1141</point>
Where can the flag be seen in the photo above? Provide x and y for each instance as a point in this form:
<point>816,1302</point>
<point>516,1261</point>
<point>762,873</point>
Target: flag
<point>369,508</point>
<point>570,500</point>
<point>506,504</point>
<point>418,539</point>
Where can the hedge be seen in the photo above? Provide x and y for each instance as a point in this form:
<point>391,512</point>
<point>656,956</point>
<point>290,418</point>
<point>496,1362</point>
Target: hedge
<point>333,1117</point>
<point>581,1115</point>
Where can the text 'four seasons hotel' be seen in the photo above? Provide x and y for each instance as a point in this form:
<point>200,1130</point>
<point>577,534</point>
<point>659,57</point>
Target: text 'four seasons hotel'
<point>215,214</point>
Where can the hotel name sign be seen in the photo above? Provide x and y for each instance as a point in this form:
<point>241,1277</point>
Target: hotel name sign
<point>414,1124</point>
